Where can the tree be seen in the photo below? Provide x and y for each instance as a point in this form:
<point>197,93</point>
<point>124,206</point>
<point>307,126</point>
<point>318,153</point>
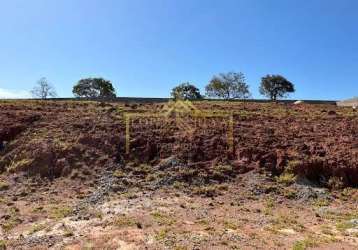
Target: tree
<point>43,89</point>
<point>228,86</point>
<point>186,91</point>
<point>94,88</point>
<point>275,86</point>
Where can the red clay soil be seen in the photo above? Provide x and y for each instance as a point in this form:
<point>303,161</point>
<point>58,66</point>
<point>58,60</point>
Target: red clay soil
<point>80,139</point>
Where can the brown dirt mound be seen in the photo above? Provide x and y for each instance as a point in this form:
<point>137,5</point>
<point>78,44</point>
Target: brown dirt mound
<point>79,139</point>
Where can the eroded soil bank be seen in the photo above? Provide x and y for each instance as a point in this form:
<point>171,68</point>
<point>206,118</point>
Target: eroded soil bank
<point>233,176</point>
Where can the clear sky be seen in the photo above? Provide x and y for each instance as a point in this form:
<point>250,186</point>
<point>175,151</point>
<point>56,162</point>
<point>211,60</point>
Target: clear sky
<point>145,47</point>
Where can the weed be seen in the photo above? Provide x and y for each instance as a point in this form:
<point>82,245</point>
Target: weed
<point>321,203</point>
<point>208,191</point>
<point>178,185</point>
<point>96,214</point>
<point>37,209</point>
<point>61,212</point>
<point>180,247</point>
<point>347,192</point>
<point>119,174</point>
<point>124,221</point>
<point>306,243</point>
<point>151,177</point>
<point>292,166</point>
<point>230,225</point>
<point>12,221</point>
<point>290,194</point>
<point>20,165</point>
<point>163,219</point>
<point>286,178</point>
<point>223,187</point>
<point>36,228</point>
<point>269,205</point>
<point>68,232</point>
<point>203,222</point>
<point>335,182</point>
<point>88,246</point>
<point>284,221</point>
<point>162,234</point>
<point>343,226</point>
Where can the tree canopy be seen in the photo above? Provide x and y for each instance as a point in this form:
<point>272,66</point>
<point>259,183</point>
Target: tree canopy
<point>227,86</point>
<point>94,88</point>
<point>275,86</point>
<point>186,91</point>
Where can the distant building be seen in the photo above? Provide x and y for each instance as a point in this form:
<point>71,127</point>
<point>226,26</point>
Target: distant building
<point>353,102</point>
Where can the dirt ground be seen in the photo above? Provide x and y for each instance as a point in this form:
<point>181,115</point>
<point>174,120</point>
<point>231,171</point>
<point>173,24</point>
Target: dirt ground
<point>203,175</point>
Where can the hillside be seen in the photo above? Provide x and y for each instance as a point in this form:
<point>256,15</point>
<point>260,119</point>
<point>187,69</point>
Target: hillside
<point>232,175</point>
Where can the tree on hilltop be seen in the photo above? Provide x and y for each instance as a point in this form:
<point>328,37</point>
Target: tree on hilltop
<point>43,89</point>
<point>275,86</point>
<point>228,86</point>
<point>94,88</point>
<point>186,91</point>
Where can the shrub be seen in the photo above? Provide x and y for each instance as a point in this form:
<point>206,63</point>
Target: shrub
<point>286,178</point>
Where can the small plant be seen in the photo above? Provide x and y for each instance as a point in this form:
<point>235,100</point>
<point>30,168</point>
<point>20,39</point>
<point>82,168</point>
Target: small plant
<point>162,234</point>
<point>230,225</point>
<point>61,212</point>
<point>37,209</point>
<point>124,221</point>
<point>207,191</point>
<point>16,166</point>
<point>306,243</point>
<point>118,174</point>
<point>286,178</point>
<point>335,182</point>
<point>290,194</point>
<point>36,228</point>
<point>269,205</point>
<point>12,221</point>
<point>287,220</point>
<point>321,203</point>
<point>178,185</point>
<point>325,229</point>
<point>162,219</point>
<point>343,226</point>
<point>347,192</point>
<point>292,166</point>
<point>96,213</point>
<point>88,246</point>
<point>68,232</point>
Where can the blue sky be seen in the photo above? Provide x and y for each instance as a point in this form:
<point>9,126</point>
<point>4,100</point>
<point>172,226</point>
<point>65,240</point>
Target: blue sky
<point>147,47</point>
